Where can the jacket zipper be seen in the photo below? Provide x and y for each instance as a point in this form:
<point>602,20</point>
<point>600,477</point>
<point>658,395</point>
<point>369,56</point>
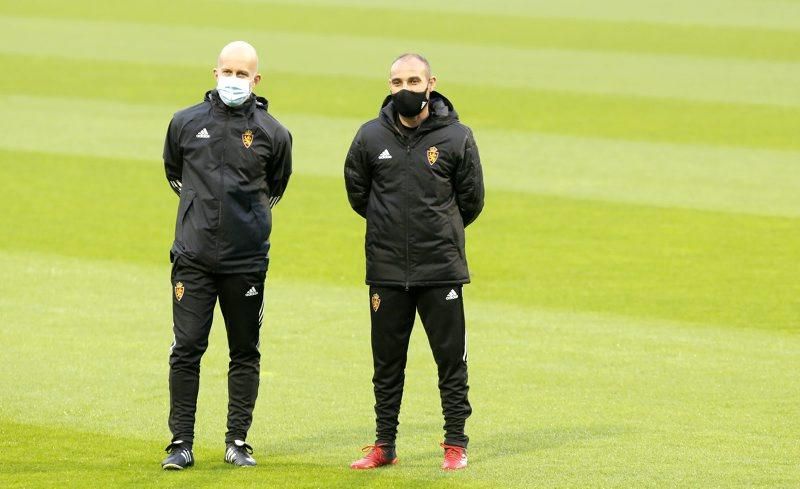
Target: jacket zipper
<point>222,181</point>
<point>408,216</point>
<point>407,141</point>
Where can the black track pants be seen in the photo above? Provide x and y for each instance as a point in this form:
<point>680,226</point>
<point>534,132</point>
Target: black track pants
<point>241,300</point>
<point>442,312</point>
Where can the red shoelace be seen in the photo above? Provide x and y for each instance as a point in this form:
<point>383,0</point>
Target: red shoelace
<point>452,453</point>
<point>374,452</point>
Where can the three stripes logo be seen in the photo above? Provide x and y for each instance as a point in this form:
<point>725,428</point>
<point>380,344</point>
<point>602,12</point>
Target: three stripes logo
<point>230,455</point>
<point>187,455</point>
<point>203,134</point>
<point>452,295</point>
<point>385,155</point>
<point>239,454</point>
<point>251,292</point>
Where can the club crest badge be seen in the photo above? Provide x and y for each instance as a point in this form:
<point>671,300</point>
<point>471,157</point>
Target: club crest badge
<point>376,302</point>
<point>247,138</point>
<point>179,291</point>
<point>433,155</point>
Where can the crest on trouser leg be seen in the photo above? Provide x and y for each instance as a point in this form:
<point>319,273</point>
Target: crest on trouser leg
<point>376,302</point>
<point>179,291</point>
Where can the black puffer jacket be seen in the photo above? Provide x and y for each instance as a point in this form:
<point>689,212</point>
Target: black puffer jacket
<point>417,194</point>
<point>229,166</point>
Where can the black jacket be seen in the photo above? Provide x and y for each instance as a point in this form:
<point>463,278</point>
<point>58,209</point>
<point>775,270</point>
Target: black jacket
<point>417,194</point>
<point>229,166</point>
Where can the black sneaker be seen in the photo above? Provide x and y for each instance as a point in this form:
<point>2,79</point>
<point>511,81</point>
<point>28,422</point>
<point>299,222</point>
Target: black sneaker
<point>180,456</point>
<point>238,453</point>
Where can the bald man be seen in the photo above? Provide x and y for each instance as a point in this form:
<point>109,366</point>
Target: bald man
<point>229,161</point>
<point>415,175</point>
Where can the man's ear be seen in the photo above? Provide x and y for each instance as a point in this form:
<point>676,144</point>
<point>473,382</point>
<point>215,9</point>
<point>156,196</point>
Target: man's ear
<point>216,73</point>
<point>257,79</point>
<point>432,82</point>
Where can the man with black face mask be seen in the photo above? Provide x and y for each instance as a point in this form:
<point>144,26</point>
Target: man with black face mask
<point>414,173</point>
<point>229,161</point>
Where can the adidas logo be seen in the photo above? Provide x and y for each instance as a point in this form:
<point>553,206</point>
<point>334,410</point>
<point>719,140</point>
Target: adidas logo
<point>452,295</point>
<point>230,456</point>
<point>203,134</point>
<point>385,155</point>
<point>251,292</point>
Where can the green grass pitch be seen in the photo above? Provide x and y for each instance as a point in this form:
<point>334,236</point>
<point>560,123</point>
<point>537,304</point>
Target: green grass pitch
<point>635,307</point>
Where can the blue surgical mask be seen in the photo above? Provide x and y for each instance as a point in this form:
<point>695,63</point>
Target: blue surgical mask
<point>232,90</point>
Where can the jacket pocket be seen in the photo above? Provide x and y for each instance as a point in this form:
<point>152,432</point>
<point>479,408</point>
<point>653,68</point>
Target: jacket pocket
<point>187,200</point>
<point>457,228</point>
<point>259,212</point>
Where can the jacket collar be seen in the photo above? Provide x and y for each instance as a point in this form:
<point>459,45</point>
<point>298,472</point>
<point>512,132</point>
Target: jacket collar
<point>442,113</point>
<point>247,108</point>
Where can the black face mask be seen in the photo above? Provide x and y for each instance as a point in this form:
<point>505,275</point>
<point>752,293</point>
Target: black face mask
<point>408,103</point>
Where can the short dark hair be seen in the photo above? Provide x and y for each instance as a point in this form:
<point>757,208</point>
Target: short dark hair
<point>418,57</point>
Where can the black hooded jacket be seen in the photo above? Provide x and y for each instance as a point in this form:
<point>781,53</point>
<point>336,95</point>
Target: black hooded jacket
<point>229,166</point>
<point>417,193</point>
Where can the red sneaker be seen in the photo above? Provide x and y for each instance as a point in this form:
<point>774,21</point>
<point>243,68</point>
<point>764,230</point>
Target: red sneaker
<point>376,456</point>
<point>454,457</point>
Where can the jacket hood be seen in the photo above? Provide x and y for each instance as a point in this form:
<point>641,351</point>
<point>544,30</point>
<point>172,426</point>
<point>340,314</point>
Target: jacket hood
<point>441,110</point>
<point>252,102</point>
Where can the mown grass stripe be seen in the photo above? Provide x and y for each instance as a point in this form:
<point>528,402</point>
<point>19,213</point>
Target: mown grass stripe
<point>679,77</point>
<point>677,264</point>
<point>779,14</point>
<point>667,174</point>
<point>472,29</point>
<point>563,113</point>
<point>735,180</point>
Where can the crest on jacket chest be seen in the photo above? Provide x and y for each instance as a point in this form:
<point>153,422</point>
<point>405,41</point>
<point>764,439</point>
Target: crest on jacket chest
<point>247,138</point>
<point>433,155</point>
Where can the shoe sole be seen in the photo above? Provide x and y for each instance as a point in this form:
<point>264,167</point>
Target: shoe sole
<point>172,467</point>
<point>237,465</point>
<point>393,462</point>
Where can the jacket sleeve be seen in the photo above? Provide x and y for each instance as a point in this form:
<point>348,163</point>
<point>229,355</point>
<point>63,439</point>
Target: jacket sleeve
<point>173,156</point>
<point>280,168</point>
<point>357,178</point>
<point>469,182</point>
